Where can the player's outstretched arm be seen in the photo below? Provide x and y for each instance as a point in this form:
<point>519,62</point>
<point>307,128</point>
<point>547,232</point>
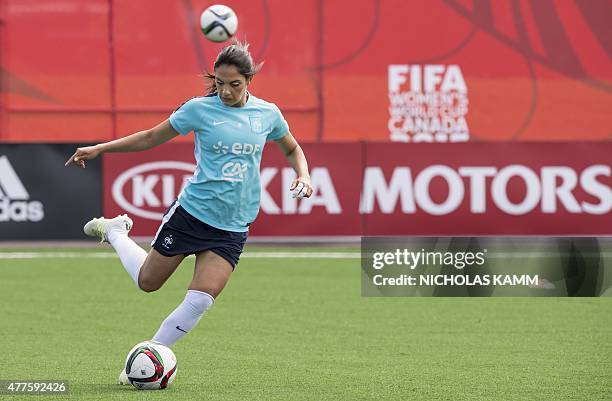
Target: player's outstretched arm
<point>138,141</point>
<point>301,187</point>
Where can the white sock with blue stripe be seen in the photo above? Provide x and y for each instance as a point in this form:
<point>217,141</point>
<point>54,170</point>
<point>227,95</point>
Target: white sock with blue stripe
<point>184,318</point>
<point>132,256</point>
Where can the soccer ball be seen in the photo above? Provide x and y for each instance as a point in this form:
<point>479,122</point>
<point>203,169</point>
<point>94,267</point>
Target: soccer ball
<point>150,366</point>
<point>218,23</point>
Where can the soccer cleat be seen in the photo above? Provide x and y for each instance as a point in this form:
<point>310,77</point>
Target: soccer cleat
<point>99,227</point>
<point>123,379</point>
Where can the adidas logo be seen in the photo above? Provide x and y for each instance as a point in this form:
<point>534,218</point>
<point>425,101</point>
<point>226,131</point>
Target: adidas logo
<point>14,198</point>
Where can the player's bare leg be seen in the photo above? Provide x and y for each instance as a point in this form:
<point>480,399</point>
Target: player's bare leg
<point>211,273</point>
<point>156,269</point>
<point>210,276</point>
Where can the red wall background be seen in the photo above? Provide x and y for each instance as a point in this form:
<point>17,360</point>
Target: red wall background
<point>75,70</point>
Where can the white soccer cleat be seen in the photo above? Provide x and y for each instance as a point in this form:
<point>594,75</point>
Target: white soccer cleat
<point>123,379</point>
<point>99,227</point>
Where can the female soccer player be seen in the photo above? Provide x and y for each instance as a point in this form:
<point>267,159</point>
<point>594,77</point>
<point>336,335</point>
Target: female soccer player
<point>212,214</point>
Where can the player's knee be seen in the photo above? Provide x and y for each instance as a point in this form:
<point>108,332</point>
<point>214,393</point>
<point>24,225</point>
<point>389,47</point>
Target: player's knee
<point>147,284</point>
<point>149,287</point>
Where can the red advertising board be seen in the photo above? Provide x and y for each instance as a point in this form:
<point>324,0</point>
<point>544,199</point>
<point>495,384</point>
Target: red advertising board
<point>333,209</point>
<point>481,188</point>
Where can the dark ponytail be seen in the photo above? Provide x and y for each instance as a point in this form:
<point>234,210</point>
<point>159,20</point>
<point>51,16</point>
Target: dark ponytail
<point>236,54</point>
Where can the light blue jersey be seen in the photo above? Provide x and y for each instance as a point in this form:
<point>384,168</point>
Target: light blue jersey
<point>224,190</point>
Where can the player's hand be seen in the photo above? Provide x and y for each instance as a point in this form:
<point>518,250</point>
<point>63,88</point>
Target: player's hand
<point>301,187</point>
<point>82,154</point>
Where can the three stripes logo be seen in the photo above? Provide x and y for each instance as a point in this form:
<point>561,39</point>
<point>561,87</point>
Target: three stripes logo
<point>15,203</point>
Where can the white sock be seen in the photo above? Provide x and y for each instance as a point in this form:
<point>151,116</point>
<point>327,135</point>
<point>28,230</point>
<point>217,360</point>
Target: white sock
<point>184,317</point>
<point>132,256</point>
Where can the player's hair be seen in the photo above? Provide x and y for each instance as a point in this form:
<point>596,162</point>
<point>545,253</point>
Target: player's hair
<point>238,55</point>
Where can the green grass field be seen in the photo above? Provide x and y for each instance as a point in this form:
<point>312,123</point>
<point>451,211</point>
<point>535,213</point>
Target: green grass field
<point>298,329</point>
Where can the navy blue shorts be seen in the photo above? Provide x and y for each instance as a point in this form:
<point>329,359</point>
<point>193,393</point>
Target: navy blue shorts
<point>182,234</point>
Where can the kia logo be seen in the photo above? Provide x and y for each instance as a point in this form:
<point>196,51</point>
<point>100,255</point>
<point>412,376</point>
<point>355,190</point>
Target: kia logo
<point>144,184</point>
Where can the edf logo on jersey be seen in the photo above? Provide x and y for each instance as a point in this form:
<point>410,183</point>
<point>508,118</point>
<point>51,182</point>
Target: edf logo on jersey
<point>235,171</point>
<point>237,148</point>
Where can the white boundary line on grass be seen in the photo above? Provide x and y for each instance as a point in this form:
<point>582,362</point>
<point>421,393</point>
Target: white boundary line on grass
<point>107,255</point>
<point>262,255</point>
